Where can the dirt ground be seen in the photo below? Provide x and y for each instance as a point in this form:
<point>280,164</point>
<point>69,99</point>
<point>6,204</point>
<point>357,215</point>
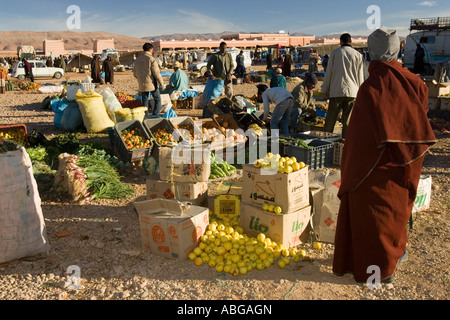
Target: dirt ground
<point>104,241</point>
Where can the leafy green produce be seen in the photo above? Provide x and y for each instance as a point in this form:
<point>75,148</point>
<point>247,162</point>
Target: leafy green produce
<point>102,179</point>
<point>37,153</point>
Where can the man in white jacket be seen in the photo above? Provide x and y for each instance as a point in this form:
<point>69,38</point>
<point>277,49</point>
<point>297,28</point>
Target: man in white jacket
<point>344,76</point>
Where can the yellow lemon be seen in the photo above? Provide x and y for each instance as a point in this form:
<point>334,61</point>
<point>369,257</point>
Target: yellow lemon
<point>317,245</point>
<point>281,263</point>
<point>192,256</point>
<point>294,159</point>
<point>198,261</point>
<point>296,166</point>
<point>262,237</point>
<point>198,251</point>
<point>302,253</point>
<point>220,267</point>
<point>285,252</point>
<point>302,165</point>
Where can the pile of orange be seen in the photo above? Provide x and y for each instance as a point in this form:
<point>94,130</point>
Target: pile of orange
<point>134,139</point>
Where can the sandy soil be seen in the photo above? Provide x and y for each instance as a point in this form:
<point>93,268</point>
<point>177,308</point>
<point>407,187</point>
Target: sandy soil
<point>105,241</point>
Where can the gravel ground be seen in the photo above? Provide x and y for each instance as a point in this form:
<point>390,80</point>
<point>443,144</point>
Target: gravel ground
<point>104,242</point>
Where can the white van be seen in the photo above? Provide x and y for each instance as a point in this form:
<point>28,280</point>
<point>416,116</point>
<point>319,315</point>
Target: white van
<point>201,66</point>
<point>434,36</point>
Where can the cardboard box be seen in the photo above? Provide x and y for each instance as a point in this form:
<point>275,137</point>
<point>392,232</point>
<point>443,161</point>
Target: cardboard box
<point>286,229</point>
<point>185,163</point>
<point>289,191</point>
<point>423,196</point>
<point>195,193</point>
<point>325,185</point>
<point>170,228</point>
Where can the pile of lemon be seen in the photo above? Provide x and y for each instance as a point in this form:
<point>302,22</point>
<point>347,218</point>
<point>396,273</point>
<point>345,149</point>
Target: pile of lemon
<point>225,248</point>
<point>279,163</point>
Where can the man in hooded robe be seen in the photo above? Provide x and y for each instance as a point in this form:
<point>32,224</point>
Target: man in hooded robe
<point>385,145</point>
<point>108,69</point>
<point>96,70</point>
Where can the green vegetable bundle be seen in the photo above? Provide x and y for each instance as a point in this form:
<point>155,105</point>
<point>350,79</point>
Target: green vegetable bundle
<point>102,179</point>
<point>220,168</point>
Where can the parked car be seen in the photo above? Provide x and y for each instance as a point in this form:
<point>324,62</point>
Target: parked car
<point>39,69</point>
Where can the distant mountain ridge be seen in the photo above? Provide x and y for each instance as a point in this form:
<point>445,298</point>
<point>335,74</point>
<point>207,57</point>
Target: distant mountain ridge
<point>9,40</point>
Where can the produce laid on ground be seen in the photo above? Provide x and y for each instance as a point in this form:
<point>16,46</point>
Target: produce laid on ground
<point>220,168</point>
<point>279,163</point>
<point>226,248</point>
<point>29,86</point>
<point>134,139</point>
<point>89,172</point>
<point>163,137</point>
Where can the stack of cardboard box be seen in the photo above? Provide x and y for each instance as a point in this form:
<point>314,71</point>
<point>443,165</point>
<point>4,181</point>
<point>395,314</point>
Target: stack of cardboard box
<point>183,175</point>
<point>288,191</point>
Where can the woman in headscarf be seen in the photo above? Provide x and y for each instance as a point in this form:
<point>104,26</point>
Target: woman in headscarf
<point>386,142</point>
<point>108,69</point>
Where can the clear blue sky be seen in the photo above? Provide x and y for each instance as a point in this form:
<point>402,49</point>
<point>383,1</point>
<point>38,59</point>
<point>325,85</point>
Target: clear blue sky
<point>158,17</point>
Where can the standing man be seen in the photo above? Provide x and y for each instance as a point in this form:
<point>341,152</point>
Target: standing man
<point>28,69</point>
<point>386,143</point>
<point>287,64</point>
<point>240,69</point>
<point>284,101</point>
<point>344,76</point>
<point>419,55</point>
<point>269,59</point>
<point>95,69</point>
<point>108,69</point>
<point>148,75</point>
<point>218,71</point>
<point>303,99</point>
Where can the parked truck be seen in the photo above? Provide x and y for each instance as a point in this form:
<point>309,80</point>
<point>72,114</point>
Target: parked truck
<point>26,52</point>
<point>434,36</point>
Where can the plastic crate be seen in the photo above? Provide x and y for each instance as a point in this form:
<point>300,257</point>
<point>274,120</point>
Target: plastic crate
<point>121,150</point>
<point>338,148</point>
<point>153,124</point>
<point>189,122</point>
<point>320,156</point>
<point>5,132</point>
